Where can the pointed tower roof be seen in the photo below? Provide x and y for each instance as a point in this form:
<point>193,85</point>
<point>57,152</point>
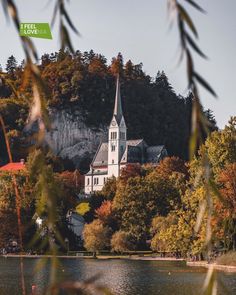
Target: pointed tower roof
<point>118,107</point>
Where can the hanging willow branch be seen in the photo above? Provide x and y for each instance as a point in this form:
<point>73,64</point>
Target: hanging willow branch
<point>199,121</point>
<point>188,44</point>
<point>38,112</point>
<point>64,17</point>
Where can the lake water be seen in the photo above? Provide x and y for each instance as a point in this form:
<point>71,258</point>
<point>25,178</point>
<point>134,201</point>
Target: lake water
<point>131,277</point>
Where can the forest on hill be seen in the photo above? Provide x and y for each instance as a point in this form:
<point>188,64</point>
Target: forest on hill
<point>86,82</point>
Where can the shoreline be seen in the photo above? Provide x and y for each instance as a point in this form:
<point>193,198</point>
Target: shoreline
<point>101,257</point>
<point>205,264</point>
<point>221,267</point>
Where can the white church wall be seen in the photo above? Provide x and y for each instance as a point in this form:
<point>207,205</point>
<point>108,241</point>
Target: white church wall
<point>94,183</point>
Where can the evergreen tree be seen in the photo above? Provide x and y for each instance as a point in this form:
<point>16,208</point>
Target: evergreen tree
<point>11,65</point>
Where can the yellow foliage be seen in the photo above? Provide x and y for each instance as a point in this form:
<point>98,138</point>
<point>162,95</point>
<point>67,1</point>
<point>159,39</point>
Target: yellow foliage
<point>82,208</point>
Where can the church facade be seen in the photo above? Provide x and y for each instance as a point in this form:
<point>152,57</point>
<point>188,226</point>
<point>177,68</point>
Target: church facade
<point>112,156</point>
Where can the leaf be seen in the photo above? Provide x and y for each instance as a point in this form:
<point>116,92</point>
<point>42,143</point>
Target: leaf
<point>204,84</point>
<point>31,46</point>
<point>182,33</point>
<point>194,46</point>
<point>65,39</point>
<point>56,7</point>
<point>185,16</point>
<point>4,6</point>
<point>13,12</point>
<point>9,82</point>
<point>210,283</point>
<point>193,144</point>
<point>189,68</point>
<point>216,192</point>
<point>204,123</point>
<point>194,4</point>
<point>64,12</point>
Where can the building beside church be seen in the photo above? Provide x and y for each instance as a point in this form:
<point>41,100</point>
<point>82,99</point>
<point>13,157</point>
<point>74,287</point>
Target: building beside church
<point>14,166</point>
<point>112,156</point>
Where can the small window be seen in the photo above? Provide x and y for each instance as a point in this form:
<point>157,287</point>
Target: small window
<point>104,180</point>
<point>112,161</point>
<point>97,180</point>
<point>122,135</point>
<point>113,135</point>
<point>88,181</point>
<point>113,148</point>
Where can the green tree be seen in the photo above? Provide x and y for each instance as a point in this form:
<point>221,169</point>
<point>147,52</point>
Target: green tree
<point>140,199</point>
<point>220,146</point>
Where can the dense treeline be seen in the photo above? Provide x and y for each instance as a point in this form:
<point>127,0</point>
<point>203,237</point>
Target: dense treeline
<point>85,81</point>
<point>147,207</point>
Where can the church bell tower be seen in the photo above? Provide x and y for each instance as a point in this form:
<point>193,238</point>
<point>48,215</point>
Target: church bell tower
<point>116,135</point>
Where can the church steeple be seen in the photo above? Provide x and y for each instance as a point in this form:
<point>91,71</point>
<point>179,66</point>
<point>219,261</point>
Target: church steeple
<point>118,107</point>
<point>116,135</point>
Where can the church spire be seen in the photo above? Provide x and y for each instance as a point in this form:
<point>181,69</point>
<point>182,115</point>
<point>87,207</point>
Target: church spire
<point>118,107</point>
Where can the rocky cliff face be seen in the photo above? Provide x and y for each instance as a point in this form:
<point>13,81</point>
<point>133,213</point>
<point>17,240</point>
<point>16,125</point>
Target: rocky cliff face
<point>71,138</point>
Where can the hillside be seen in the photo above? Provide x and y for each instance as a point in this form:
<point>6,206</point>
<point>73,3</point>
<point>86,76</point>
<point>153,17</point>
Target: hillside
<point>82,90</point>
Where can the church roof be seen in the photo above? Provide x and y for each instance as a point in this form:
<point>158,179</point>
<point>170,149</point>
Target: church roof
<point>153,153</point>
<point>101,156</point>
<point>134,154</point>
<point>134,142</point>
<point>137,151</point>
<point>118,113</point>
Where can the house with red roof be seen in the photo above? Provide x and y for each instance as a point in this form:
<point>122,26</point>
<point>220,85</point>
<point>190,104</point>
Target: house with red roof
<point>13,167</point>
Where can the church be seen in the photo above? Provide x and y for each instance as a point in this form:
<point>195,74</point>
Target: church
<point>112,156</point>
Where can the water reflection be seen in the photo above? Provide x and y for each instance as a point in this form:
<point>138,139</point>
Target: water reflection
<point>123,277</point>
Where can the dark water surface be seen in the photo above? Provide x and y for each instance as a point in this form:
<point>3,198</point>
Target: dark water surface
<point>131,277</point>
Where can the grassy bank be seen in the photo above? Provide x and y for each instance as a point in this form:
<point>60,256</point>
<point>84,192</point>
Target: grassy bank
<point>227,259</point>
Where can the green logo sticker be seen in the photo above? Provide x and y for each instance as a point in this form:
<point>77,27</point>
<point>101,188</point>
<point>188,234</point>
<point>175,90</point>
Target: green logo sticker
<point>36,30</point>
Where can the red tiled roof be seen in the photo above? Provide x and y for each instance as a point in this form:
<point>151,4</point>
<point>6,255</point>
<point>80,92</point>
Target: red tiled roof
<point>13,167</point>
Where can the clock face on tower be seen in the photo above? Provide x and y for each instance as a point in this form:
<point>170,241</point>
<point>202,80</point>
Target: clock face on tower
<point>113,123</point>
